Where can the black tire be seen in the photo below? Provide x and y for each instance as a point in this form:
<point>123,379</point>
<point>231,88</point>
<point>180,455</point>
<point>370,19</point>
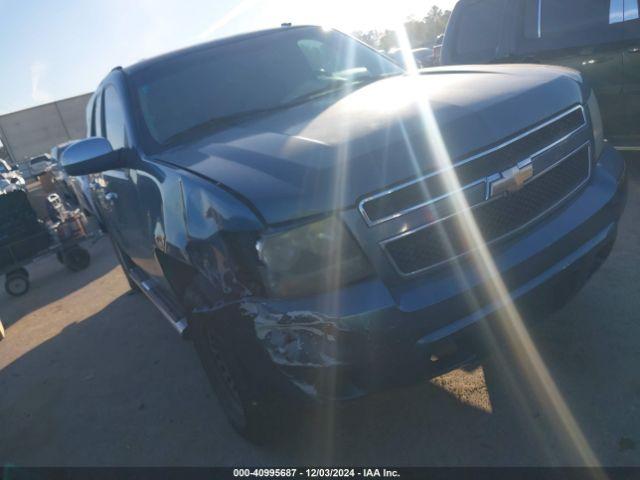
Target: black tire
<point>246,410</point>
<point>76,259</point>
<point>17,283</point>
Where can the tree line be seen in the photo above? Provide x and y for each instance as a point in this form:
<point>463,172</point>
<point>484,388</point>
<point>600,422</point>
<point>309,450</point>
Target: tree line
<point>421,32</point>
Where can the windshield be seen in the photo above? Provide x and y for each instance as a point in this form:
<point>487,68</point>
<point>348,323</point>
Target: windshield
<point>255,75</point>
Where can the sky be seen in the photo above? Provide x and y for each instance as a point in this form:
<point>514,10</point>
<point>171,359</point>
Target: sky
<point>54,49</point>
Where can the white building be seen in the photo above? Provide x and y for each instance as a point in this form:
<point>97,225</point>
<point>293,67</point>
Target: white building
<point>36,130</point>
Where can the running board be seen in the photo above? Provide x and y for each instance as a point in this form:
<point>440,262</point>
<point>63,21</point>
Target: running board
<point>170,312</point>
<point>627,148</point>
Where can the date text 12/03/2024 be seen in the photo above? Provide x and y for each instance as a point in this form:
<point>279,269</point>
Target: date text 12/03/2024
<point>316,473</point>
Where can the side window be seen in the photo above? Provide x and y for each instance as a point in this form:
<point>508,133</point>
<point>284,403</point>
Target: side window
<point>114,119</point>
<point>557,24</point>
<point>479,31</point>
<point>560,17</point>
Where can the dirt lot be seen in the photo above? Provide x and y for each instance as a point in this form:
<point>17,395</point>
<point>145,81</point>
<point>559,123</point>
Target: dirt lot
<point>92,375</point>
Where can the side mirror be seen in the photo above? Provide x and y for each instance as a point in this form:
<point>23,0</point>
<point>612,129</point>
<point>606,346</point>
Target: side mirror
<point>91,155</point>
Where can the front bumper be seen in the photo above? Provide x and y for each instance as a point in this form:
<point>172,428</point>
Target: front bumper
<point>365,337</point>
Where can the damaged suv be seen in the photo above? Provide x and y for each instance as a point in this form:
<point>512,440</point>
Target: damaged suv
<point>298,205</point>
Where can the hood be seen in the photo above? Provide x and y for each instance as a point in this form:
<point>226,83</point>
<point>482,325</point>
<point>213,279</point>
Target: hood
<point>327,154</point>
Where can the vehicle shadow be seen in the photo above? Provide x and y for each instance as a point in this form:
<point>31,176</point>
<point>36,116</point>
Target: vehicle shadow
<point>448,422</point>
<point>119,388</point>
<point>52,281</point>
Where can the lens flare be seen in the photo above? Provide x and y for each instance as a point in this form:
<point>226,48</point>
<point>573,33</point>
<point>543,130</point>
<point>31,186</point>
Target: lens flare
<point>509,322</point>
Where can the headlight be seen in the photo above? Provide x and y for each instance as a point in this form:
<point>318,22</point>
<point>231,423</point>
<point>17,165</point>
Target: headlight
<point>596,122</point>
<point>310,259</point>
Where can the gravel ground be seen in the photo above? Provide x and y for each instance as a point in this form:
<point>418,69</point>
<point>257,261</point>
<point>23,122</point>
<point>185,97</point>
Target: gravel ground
<point>93,375</point>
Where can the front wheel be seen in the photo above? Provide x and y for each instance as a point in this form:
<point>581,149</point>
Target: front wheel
<point>17,282</point>
<point>245,409</point>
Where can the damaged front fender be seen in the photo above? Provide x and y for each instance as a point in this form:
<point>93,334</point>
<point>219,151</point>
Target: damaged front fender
<point>209,212</point>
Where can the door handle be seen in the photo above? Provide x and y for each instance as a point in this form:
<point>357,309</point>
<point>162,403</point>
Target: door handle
<point>634,50</point>
<point>111,197</point>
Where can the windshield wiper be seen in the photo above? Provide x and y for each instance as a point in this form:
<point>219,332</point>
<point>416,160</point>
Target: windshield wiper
<point>312,96</point>
<point>375,78</point>
<point>216,123</point>
<point>344,86</point>
<point>227,120</point>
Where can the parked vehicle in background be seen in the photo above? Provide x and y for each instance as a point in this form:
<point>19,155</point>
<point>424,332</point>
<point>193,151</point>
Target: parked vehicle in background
<point>38,165</point>
<point>600,38</point>
<point>75,189</point>
<point>11,175</point>
<point>422,56</point>
<point>437,51</point>
<point>277,197</point>
<point>58,172</point>
<point>63,182</point>
<point>6,186</point>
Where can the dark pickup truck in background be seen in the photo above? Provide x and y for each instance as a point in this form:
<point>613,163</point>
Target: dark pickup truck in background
<point>280,197</point>
<point>600,38</point>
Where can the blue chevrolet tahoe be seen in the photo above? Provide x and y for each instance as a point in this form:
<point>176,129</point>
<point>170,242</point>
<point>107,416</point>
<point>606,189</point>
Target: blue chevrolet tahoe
<point>299,206</point>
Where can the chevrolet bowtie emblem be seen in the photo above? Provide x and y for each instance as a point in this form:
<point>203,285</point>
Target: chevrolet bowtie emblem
<point>510,180</point>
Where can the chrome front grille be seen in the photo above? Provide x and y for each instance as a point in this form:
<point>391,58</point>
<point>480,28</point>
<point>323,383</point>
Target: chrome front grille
<point>507,187</point>
<point>470,172</point>
<point>442,241</point>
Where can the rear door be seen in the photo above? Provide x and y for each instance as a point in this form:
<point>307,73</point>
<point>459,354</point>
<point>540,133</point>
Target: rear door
<point>586,35</point>
<point>630,134</point>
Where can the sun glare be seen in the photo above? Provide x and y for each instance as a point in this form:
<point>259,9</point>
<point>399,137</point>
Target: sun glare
<point>509,322</point>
